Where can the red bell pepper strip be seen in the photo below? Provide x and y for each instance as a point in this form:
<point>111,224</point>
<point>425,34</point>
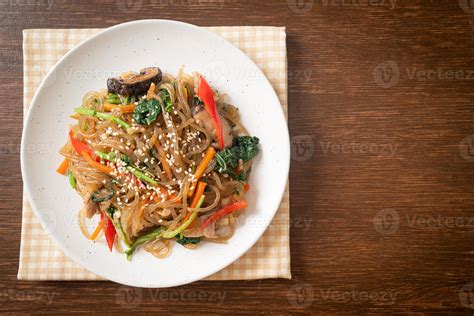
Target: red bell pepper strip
<point>109,233</point>
<point>226,210</point>
<point>80,146</point>
<point>207,96</point>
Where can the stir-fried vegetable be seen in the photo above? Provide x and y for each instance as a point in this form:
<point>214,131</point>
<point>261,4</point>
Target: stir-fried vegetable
<point>63,167</point>
<point>133,170</point>
<point>146,111</point>
<point>210,153</point>
<point>86,152</point>
<point>110,156</point>
<point>79,146</point>
<point>246,148</point>
<point>227,160</point>
<point>113,98</point>
<point>165,96</point>
<point>162,157</point>
<point>110,233</point>
<point>206,94</point>
<point>103,195</point>
<point>96,232</point>
<point>226,210</point>
<point>95,164</point>
<point>143,239</point>
<point>117,223</point>
<point>186,223</point>
<point>246,187</point>
<point>72,180</point>
<point>180,239</point>
<point>141,175</point>
<point>151,91</point>
<point>126,100</point>
<point>199,192</point>
<point>103,116</point>
<point>197,198</point>
<point>122,108</point>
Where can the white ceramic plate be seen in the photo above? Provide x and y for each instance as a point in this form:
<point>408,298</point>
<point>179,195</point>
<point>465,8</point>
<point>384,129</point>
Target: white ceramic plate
<point>132,46</point>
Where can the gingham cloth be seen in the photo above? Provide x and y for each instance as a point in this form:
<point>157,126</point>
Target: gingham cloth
<point>41,259</point>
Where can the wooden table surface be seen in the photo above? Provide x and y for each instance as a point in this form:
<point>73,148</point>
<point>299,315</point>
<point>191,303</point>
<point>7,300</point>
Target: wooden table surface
<point>382,176</point>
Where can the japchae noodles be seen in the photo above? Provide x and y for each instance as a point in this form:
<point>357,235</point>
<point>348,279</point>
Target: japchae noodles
<point>160,159</point>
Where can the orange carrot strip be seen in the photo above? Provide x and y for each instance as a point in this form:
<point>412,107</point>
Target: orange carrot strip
<point>141,207</point>
<point>97,231</point>
<point>162,157</point>
<point>122,108</point>
<point>151,91</point>
<point>63,167</point>
<point>95,164</point>
<point>199,192</point>
<point>109,107</point>
<point>210,153</point>
<point>246,187</point>
<point>75,116</point>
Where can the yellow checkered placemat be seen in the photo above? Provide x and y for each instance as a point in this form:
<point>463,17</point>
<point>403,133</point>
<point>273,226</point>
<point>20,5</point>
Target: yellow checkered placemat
<point>41,259</point>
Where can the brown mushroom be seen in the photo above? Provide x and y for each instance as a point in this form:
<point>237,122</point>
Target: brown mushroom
<point>91,207</point>
<point>132,83</point>
<point>204,120</point>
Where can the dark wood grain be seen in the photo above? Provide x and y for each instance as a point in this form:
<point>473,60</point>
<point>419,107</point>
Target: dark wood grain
<point>382,183</point>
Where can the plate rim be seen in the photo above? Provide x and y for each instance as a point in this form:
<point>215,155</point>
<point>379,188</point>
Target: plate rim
<point>26,126</point>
